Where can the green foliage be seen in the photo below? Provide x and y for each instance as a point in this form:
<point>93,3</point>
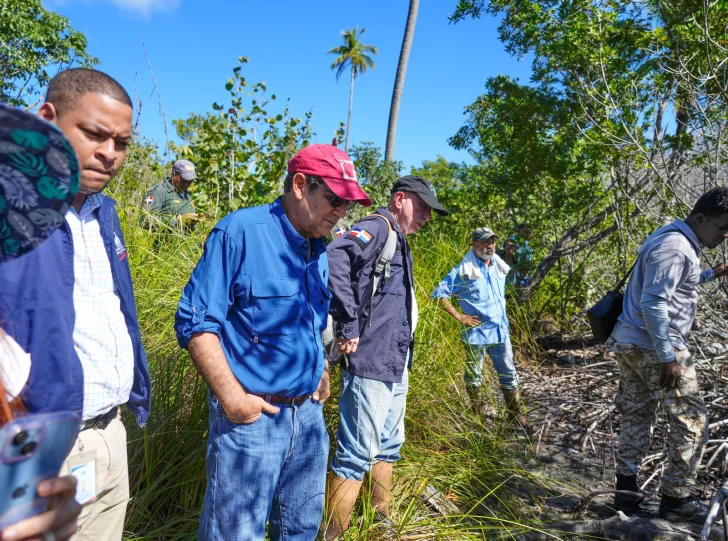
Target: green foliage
<point>241,150</point>
<point>624,115</point>
<point>31,39</point>
<point>473,464</point>
<point>353,53</point>
<point>375,175</point>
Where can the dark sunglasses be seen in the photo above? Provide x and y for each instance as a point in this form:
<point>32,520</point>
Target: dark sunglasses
<point>333,199</point>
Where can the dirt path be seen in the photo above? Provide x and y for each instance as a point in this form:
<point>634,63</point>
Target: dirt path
<point>571,401</point>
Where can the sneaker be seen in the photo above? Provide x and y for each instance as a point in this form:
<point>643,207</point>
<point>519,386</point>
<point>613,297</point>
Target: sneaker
<point>688,509</point>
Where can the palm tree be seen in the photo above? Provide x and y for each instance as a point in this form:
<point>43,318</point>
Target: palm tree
<point>352,53</point>
<point>409,34</point>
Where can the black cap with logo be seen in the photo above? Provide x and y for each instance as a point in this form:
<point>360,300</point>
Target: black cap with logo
<point>423,188</point>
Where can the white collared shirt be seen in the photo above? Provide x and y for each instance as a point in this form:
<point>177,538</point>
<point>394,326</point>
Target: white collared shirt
<point>100,334</point>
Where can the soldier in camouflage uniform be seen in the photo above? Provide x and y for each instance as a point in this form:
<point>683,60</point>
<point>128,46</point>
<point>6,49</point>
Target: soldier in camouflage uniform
<point>649,343</point>
<point>169,201</point>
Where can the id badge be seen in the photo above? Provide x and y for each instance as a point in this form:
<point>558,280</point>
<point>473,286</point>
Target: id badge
<point>83,468</point>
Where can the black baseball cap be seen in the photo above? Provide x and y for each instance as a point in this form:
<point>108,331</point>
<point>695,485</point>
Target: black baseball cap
<point>423,188</point>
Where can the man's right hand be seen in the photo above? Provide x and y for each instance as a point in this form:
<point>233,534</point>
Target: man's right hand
<point>670,374</point>
<point>245,409</point>
<point>346,347</point>
<point>189,218</point>
<point>469,321</point>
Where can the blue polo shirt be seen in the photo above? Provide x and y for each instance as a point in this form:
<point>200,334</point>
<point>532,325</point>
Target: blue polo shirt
<point>258,290</point>
<point>483,297</point>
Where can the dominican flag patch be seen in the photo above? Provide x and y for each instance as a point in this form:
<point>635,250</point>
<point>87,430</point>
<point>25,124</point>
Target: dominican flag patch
<point>361,236</point>
<point>149,200</point>
<point>340,231</point>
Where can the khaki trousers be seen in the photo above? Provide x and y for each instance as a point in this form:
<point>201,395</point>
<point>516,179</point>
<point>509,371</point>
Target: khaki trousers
<point>103,518</point>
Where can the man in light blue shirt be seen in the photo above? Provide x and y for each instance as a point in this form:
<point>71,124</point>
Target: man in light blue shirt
<point>478,282</point>
<point>650,345</point>
<point>252,317</point>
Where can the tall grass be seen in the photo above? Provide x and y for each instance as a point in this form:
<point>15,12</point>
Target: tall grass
<point>475,466</point>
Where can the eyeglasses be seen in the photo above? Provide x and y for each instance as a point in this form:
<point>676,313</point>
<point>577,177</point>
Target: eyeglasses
<point>333,199</point>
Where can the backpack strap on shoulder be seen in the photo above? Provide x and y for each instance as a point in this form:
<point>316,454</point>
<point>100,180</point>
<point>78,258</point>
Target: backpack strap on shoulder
<point>382,266</point>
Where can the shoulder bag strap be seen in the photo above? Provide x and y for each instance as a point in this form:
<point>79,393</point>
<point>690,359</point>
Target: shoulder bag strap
<point>623,281</point>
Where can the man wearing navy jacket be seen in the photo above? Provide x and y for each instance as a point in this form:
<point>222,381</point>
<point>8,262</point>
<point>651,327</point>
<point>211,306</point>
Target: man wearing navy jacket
<point>70,303</point>
<point>378,345</point>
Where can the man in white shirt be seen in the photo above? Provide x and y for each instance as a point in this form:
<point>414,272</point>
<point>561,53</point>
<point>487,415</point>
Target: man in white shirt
<point>95,113</point>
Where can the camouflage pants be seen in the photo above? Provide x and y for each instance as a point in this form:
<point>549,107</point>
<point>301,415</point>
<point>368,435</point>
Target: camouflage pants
<point>637,401</point>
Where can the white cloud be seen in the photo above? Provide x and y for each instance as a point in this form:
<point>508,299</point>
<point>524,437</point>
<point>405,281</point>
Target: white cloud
<point>140,7</point>
<point>146,7</point>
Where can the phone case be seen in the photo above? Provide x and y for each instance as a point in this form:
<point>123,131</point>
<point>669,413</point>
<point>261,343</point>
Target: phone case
<point>32,450</point>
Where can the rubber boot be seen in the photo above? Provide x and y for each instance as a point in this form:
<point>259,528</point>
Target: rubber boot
<point>341,496</point>
<point>627,503</point>
<point>515,407</point>
<point>688,509</point>
<point>380,488</point>
<point>476,401</point>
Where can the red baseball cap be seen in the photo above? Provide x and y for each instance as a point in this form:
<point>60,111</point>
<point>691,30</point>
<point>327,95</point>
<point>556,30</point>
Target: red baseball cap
<point>335,167</point>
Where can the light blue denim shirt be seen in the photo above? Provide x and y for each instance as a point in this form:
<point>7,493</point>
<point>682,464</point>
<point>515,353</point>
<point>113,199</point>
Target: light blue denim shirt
<point>257,289</point>
<point>668,270</point>
<point>483,297</point>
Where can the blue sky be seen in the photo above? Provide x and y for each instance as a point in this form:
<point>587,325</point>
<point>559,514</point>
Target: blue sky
<point>193,45</point>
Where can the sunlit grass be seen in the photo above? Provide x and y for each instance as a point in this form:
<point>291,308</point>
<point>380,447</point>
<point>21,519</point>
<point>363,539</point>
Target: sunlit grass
<point>476,467</point>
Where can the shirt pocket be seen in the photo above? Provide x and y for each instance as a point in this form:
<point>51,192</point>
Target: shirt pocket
<point>274,306</point>
<point>479,290</point>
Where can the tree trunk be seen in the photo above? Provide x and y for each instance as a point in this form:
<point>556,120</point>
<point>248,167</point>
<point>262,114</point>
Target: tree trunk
<point>409,34</point>
<point>351,107</point>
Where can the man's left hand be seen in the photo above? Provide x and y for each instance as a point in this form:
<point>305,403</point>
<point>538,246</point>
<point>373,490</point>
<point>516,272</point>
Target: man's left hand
<point>670,374</point>
<point>720,270</point>
<point>324,391</point>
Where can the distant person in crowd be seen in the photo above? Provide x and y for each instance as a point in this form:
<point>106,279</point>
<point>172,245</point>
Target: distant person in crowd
<point>377,342</point>
<point>655,365</point>
<point>170,201</point>
<point>478,283</point>
<point>524,252</point>
<point>508,255</point>
<point>251,317</point>
<point>72,301</point>
<point>24,138</point>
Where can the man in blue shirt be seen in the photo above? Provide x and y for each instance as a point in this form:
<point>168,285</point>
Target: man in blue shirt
<point>251,317</point>
<point>649,342</point>
<point>478,282</point>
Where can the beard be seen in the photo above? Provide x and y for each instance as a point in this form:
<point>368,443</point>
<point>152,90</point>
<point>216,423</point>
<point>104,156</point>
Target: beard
<point>482,255</point>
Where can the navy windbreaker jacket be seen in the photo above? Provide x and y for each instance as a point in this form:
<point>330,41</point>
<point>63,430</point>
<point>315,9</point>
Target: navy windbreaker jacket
<point>36,309</point>
<point>382,351</point>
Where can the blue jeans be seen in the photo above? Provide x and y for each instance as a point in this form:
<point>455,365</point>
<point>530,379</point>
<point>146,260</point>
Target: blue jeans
<point>371,424</point>
<point>271,470</point>
<point>502,357</point>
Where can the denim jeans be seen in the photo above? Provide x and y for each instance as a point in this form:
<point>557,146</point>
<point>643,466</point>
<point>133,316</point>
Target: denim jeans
<point>371,424</point>
<point>271,470</point>
<point>502,357</point>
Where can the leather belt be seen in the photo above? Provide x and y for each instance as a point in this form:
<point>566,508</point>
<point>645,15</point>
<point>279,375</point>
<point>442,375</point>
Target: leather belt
<point>283,400</point>
<point>101,421</point>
